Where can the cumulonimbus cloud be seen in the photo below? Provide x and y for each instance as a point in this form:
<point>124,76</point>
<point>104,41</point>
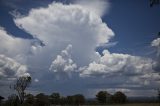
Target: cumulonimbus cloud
<point>59,25</point>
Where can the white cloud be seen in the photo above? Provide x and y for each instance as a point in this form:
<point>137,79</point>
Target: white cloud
<point>156,43</point>
<point>63,64</point>
<point>133,68</point>
<point>59,25</point>
<point>114,62</point>
<point>36,80</point>
<point>99,7</point>
<point>16,48</point>
<point>9,68</point>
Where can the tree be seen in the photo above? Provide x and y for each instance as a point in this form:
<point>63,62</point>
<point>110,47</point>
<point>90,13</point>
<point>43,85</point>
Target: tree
<point>55,98</point>
<point>119,97</point>
<point>159,95</point>
<point>103,96</point>
<point>13,100</point>
<point>21,84</point>
<point>1,98</point>
<point>79,99</point>
<point>29,99</point>
<point>154,2</point>
<point>42,100</point>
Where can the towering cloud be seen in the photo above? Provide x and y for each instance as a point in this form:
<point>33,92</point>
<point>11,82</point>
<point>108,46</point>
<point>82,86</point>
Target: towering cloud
<point>80,26</point>
<point>63,64</point>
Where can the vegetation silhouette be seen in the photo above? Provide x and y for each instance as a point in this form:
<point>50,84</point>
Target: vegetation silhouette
<point>20,86</point>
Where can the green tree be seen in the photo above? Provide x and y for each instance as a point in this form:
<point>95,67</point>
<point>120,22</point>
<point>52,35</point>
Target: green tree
<point>21,84</point>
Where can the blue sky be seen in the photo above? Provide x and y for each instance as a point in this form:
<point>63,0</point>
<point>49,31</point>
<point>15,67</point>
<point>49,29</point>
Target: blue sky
<point>86,45</point>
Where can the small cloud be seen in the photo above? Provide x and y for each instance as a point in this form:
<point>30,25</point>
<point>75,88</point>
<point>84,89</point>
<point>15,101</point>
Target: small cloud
<point>156,43</point>
<point>36,80</point>
<point>108,45</point>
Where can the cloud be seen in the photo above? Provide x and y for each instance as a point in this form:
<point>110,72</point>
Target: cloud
<point>63,64</point>
<point>133,68</point>
<point>36,80</point>
<point>114,62</point>
<point>17,48</point>
<point>10,69</point>
<point>59,25</point>
<point>99,7</point>
<point>108,45</point>
<point>156,43</point>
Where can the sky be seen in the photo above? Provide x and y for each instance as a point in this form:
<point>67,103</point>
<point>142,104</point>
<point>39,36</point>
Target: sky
<point>80,46</point>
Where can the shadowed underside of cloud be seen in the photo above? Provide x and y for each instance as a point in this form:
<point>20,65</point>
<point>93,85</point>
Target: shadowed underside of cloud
<point>9,68</point>
<point>82,29</point>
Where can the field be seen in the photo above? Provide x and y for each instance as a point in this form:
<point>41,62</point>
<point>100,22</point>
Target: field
<point>132,104</point>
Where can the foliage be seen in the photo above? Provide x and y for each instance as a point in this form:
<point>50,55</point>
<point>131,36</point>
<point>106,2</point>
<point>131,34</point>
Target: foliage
<point>29,99</point>
<point>41,100</point>
<point>77,99</point>
<point>13,100</point>
<point>154,2</point>
<point>21,84</point>
<point>159,95</point>
<point>55,98</point>
<point>119,97</point>
<point>103,97</point>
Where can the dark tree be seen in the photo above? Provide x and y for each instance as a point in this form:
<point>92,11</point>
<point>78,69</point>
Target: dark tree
<point>42,100</point>
<point>103,97</point>
<point>1,98</point>
<point>29,99</point>
<point>13,100</point>
<point>21,84</point>
<point>55,98</point>
<point>119,97</point>
<point>159,95</point>
<point>79,99</point>
<point>63,101</point>
<point>154,2</point>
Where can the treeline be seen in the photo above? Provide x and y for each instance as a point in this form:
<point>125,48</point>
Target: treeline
<point>41,99</point>
<point>102,97</point>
